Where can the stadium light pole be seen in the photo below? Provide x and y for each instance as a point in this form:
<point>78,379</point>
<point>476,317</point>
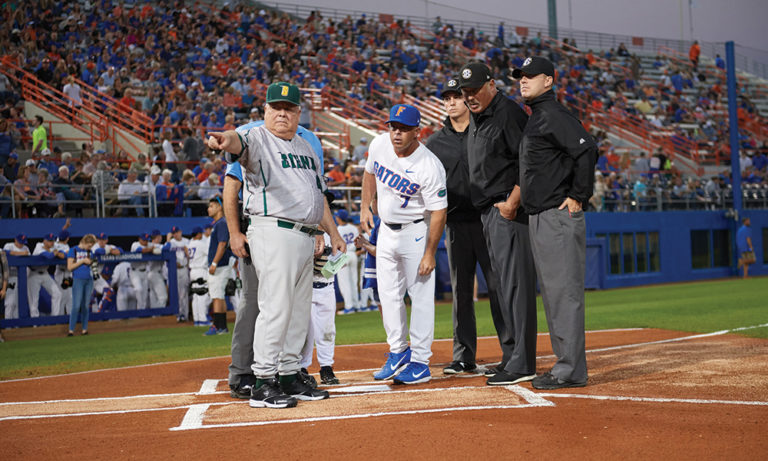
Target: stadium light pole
<point>733,127</point>
<point>552,16</point>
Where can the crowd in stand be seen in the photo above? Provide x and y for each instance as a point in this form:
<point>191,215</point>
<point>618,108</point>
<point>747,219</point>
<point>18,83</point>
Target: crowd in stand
<point>193,71</point>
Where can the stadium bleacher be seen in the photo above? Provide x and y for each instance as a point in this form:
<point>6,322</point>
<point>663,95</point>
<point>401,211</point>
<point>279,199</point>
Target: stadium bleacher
<point>209,70</point>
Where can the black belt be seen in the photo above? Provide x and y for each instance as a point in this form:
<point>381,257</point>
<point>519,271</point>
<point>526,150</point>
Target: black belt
<point>400,226</point>
<point>141,270</point>
<point>320,284</point>
<point>40,272</point>
<point>295,226</point>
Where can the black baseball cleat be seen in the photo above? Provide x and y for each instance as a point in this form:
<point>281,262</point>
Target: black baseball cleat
<point>300,390</point>
<point>308,379</point>
<point>489,372</point>
<point>243,388</point>
<point>270,395</point>
<point>327,376</point>
<point>503,378</point>
<point>548,382</point>
<point>459,367</point>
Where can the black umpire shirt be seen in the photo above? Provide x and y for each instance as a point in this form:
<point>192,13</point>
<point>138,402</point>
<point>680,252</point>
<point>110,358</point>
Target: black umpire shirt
<point>492,148</point>
<point>450,147</point>
<point>557,157</point>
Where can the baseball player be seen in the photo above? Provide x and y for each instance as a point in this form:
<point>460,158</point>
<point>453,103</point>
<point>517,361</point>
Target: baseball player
<point>321,334</point>
<point>63,276</point>
<point>104,298</point>
<point>283,202</point>
<point>207,230</point>
<point>121,282</point>
<point>103,247</point>
<point>3,282</point>
<point>139,272</point>
<point>368,245</point>
<point>241,378</point>
<point>176,242</point>
<point>347,275</point>
<point>409,183</point>
<point>16,248</point>
<point>198,274</point>
<point>158,289</point>
<point>39,277</point>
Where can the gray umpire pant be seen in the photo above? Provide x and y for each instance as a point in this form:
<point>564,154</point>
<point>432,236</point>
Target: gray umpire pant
<point>509,247</point>
<point>558,239</point>
<point>466,248</point>
<point>245,324</point>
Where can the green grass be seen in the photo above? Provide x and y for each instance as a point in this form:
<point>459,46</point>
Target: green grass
<point>693,307</point>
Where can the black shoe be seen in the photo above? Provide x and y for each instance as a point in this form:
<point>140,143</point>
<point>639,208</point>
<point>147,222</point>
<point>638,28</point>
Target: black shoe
<point>490,372</point>
<point>503,378</point>
<point>327,376</point>
<point>300,390</point>
<point>459,367</point>
<point>243,388</point>
<point>548,381</point>
<point>306,378</point>
<point>270,395</point>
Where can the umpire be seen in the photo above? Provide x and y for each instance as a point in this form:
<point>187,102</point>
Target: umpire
<point>557,163</point>
<point>495,128</point>
<point>464,232</point>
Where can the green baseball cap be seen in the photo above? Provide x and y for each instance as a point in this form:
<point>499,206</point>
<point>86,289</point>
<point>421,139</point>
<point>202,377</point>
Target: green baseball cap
<point>283,91</point>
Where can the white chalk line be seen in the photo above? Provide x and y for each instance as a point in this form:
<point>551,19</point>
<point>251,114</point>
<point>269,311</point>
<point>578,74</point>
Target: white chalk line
<point>129,367</point>
<point>209,386</point>
<point>655,399</point>
<point>358,416</point>
<point>626,346</point>
<point>664,341</point>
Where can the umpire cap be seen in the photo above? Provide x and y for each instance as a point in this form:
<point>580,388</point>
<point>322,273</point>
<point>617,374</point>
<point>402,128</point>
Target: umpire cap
<point>533,66</point>
<point>474,75</point>
<point>451,86</point>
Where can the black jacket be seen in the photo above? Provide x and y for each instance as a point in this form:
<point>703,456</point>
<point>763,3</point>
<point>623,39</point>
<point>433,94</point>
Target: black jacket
<point>450,147</point>
<point>492,147</point>
<point>557,157</point>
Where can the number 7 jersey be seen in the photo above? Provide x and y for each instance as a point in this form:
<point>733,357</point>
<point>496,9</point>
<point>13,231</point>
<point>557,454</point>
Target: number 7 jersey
<point>406,187</point>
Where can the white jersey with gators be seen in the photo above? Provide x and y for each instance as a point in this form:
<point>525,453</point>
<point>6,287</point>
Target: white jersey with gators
<point>198,254</point>
<point>283,179</point>
<point>406,187</point>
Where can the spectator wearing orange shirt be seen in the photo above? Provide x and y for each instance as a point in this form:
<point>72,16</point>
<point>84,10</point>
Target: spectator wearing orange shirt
<point>336,176</point>
<point>128,103</point>
<point>694,54</point>
<point>207,170</point>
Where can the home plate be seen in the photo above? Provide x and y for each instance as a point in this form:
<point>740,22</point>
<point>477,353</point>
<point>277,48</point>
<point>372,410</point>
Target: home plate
<point>363,404</point>
<point>353,389</point>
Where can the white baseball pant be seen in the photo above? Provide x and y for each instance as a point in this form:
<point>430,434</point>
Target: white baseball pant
<point>200,303</point>
<point>11,299</point>
<point>158,291</point>
<point>398,254</point>
<point>321,334</point>
<point>140,288</point>
<point>182,279</point>
<point>36,280</point>
<point>126,298</point>
<point>66,293</point>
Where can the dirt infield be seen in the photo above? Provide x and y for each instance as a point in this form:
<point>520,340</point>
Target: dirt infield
<point>651,393</point>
